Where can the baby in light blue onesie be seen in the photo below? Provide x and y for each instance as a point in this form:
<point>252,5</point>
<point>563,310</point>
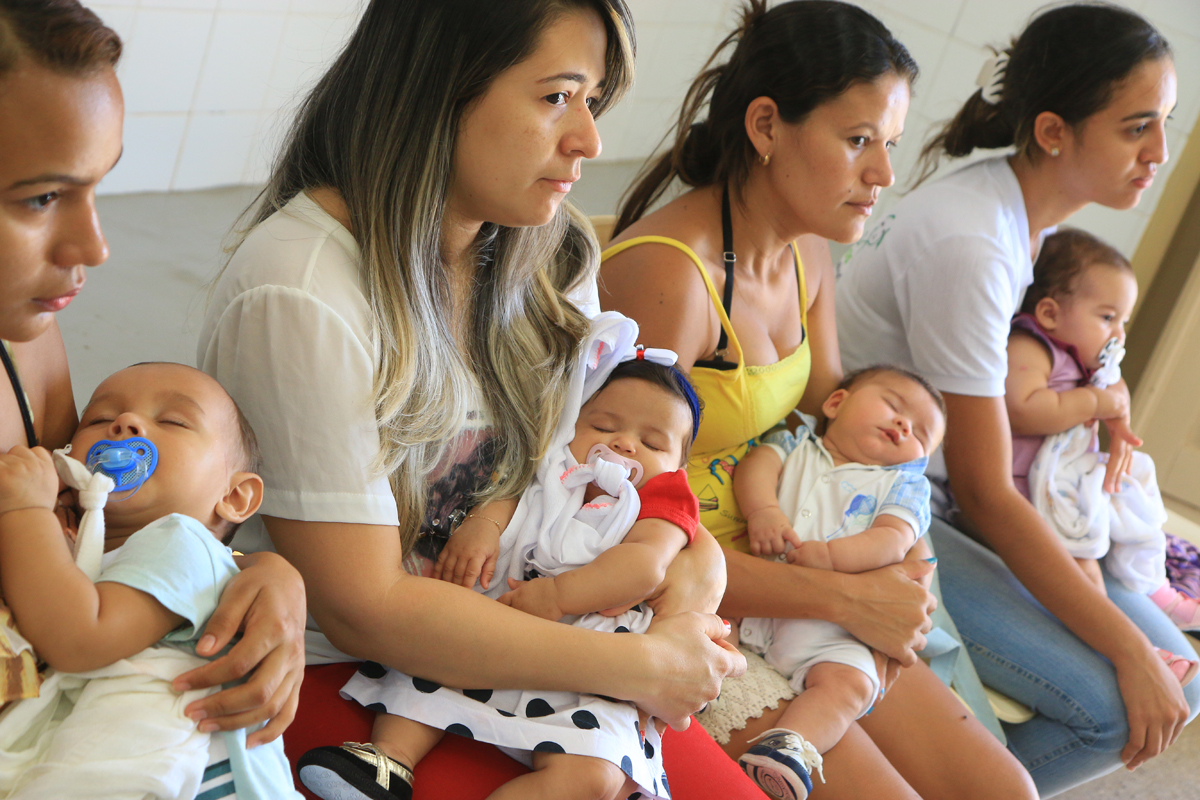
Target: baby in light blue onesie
<point>116,629</point>
<point>853,499</point>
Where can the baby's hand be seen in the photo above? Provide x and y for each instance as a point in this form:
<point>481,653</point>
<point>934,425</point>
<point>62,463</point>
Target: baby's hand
<point>538,597</point>
<point>811,554</point>
<point>27,480</point>
<point>1111,403</point>
<point>769,531</point>
<point>469,554</point>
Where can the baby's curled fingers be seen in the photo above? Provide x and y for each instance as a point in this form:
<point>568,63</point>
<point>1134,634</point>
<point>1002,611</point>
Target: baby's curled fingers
<point>489,569</point>
<point>440,568</point>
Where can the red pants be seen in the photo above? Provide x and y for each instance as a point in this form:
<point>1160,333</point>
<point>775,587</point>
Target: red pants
<point>462,769</point>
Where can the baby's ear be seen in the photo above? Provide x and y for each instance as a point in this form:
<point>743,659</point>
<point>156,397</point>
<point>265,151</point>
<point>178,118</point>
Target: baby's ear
<point>1047,312</point>
<point>832,403</point>
<point>243,498</point>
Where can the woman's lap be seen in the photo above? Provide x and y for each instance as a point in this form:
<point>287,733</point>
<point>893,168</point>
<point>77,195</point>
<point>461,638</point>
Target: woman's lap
<point>460,769</point>
<point>1023,651</point>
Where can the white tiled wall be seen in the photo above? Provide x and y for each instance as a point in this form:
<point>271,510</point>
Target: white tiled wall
<point>210,83</point>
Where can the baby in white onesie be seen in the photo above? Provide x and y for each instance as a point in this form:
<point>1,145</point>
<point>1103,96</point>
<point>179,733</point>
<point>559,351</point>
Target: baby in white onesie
<point>120,620</point>
<point>851,500</point>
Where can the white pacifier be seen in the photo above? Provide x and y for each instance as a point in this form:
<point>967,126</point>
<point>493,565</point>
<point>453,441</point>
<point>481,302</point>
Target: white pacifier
<point>600,452</point>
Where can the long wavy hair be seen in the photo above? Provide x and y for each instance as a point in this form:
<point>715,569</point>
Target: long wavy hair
<point>380,127</point>
<point>1068,60</point>
<point>800,54</point>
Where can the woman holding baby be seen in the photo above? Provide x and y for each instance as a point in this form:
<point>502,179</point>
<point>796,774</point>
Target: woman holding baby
<point>397,328</point>
<point>60,133</point>
<point>733,276</point>
<point>1082,95</point>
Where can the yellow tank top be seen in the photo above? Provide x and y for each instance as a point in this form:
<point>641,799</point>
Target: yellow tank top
<point>740,404</point>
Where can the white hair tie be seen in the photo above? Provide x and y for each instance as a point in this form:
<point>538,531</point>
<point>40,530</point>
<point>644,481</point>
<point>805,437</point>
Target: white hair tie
<point>655,355</point>
<point>991,78</point>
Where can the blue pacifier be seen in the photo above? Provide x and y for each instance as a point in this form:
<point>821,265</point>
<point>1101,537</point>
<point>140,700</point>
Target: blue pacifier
<point>129,462</point>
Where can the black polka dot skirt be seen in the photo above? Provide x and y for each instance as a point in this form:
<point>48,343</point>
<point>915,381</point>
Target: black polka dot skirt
<point>523,722</point>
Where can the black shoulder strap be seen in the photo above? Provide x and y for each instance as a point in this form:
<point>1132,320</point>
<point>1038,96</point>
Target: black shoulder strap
<point>15,380</point>
<point>730,259</point>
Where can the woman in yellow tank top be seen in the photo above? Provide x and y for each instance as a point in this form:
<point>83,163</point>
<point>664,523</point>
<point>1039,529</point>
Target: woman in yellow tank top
<point>733,276</point>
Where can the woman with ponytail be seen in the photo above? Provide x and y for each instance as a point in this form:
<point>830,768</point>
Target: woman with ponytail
<point>783,141</point>
<point>397,328</point>
<point>1081,99</point>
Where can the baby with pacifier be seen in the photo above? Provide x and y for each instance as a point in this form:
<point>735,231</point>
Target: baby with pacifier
<point>1064,356</point>
<point>851,499</point>
<point>119,619</point>
<point>595,532</point>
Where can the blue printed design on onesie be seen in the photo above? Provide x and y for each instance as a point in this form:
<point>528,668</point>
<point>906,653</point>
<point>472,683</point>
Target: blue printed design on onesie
<point>862,507</point>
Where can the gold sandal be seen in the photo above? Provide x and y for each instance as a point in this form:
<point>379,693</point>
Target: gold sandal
<point>330,771</point>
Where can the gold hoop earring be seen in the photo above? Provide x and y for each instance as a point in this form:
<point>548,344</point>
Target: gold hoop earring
<point>1054,151</point>
<point>764,159</point>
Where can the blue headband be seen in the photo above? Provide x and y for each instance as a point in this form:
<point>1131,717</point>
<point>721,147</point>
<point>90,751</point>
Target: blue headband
<point>692,399</point>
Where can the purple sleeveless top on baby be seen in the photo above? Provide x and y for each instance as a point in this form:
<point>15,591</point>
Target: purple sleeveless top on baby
<point>1065,373</point>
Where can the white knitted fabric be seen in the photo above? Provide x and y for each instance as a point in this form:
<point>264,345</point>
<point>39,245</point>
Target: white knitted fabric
<point>745,698</point>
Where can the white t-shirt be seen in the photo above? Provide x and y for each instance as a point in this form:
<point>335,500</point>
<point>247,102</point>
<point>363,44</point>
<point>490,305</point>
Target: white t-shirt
<point>287,332</point>
<point>933,287</point>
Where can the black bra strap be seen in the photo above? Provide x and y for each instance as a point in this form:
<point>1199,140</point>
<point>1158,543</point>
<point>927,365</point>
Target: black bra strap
<point>15,380</point>
<point>730,259</point>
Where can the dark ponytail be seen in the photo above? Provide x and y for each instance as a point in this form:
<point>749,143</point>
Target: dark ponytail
<point>62,35</point>
<point>1068,60</point>
<point>800,54</point>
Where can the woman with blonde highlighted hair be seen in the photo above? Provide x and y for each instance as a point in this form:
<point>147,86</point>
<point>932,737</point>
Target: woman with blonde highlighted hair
<point>398,326</point>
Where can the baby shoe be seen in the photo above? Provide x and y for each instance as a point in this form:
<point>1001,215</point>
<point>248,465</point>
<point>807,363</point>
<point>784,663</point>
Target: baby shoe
<point>782,764</point>
<point>1184,668</point>
<point>354,772</point>
<point>1183,610</point>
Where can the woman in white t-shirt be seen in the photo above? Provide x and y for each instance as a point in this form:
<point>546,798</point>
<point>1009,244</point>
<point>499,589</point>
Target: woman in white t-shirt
<point>1083,95</point>
<point>394,327</point>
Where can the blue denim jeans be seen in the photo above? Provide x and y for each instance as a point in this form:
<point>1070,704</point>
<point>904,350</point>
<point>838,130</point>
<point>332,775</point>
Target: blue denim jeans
<point>1020,649</point>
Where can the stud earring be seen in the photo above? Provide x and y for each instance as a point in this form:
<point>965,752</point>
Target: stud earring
<point>764,159</point>
<point>1054,152</point>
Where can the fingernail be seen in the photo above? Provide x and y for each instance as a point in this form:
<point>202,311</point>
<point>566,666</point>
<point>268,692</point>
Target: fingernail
<point>932,560</point>
<point>197,715</point>
<point>208,727</point>
<point>206,642</point>
<point>182,686</point>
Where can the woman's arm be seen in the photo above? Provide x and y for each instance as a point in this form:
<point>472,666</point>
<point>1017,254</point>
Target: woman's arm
<point>826,371</point>
<point>886,609</point>
<point>370,608</point>
<point>978,449</point>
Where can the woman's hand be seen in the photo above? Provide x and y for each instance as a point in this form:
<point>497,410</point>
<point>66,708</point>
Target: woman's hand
<point>888,609</point>
<point>266,603</point>
<point>1155,706</point>
<point>686,658</point>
